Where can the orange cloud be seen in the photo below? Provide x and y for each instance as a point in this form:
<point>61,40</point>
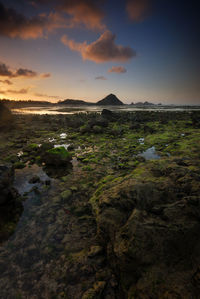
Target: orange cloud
<point>102,50</point>
<point>42,95</point>
<point>13,91</point>
<point>138,9</point>
<point>86,12</point>
<point>117,69</point>
<point>14,24</point>
<point>45,75</point>
<point>8,82</point>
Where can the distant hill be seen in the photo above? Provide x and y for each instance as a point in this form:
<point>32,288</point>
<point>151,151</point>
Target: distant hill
<point>72,102</point>
<point>111,100</point>
<point>143,104</point>
<point>22,104</point>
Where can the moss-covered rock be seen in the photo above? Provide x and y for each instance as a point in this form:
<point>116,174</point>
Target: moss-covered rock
<point>58,156</point>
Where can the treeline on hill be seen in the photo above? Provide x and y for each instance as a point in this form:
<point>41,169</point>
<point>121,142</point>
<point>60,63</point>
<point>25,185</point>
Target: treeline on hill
<point>20,104</point>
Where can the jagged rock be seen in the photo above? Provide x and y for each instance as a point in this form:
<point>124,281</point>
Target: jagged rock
<point>151,233</point>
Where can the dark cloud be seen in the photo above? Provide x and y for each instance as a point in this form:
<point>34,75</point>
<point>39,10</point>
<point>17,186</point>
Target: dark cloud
<point>8,82</point>
<point>5,71</point>
<point>86,12</point>
<point>13,91</point>
<point>25,73</point>
<point>100,78</point>
<point>14,24</point>
<point>117,69</point>
<point>102,50</point>
<point>138,10</point>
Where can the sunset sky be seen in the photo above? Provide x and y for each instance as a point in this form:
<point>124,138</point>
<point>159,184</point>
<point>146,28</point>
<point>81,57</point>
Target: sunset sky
<point>140,50</point>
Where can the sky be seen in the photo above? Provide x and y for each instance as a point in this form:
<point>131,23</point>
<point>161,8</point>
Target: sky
<point>140,50</point>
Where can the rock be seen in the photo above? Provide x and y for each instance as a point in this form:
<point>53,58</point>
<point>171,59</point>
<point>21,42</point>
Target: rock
<point>6,118</point>
<point>6,181</point>
<point>58,156</point>
<point>95,250</point>
<point>151,232</point>
<point>47,182</point>
<point>96,291</point>
<point>107,114</point>
<point>19,165</point>
<point>97,129</point>
<point>10,203</point>
<point>35,179</point>
<point>65,195</point>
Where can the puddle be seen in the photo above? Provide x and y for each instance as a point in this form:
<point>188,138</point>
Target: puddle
<point>51,139</point>
<point>150,154</point>
<point>23,176</point>
<point>20,154</point>
<point>141,140</point>
<point>63,135</point>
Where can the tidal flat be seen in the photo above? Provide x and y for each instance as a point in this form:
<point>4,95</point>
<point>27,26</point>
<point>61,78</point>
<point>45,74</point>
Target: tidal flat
<point>101,205</point>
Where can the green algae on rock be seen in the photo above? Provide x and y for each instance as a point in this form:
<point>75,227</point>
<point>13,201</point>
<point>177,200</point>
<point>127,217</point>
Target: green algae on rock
<point>114,225</point>
<point>57,156</point>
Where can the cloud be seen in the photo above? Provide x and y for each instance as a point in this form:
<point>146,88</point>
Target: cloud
<point>102,50</point>
<point>14,24</point>
<point>45,75</point>
<point>6,82</point>
<point>25,73</point>
<point>42,95</point>
<point>138,10</point>
<point>86,12</point>
<point>100,78</point>
<point>5,71</point>
<point>13,91</point>
<point>117,69</point>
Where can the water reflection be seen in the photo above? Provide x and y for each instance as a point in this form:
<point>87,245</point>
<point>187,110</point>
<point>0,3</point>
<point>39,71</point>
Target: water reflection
<point>150,154</point>
<point>55,110</point>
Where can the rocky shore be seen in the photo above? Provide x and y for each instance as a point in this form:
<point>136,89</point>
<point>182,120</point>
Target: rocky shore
<point>100,205</point>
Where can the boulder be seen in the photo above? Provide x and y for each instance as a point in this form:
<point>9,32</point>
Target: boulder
<point>6,181</point>
<point>6,118</point>
<point>57,157</point>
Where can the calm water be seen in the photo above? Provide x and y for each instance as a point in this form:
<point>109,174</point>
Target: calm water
<point>85,109</point>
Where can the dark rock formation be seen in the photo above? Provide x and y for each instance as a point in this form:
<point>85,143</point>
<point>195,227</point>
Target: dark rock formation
<point>6,181</point>
<point>10,204</point>
<point>150,229</point>
<point>57,157</point>
<point>6,118</point>
<point>111,100</point>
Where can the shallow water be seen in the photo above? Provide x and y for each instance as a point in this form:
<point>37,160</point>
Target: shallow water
<point>85,109</point>
<point>22,177</point>
<point>38,237</point>
<point>150,154</point>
